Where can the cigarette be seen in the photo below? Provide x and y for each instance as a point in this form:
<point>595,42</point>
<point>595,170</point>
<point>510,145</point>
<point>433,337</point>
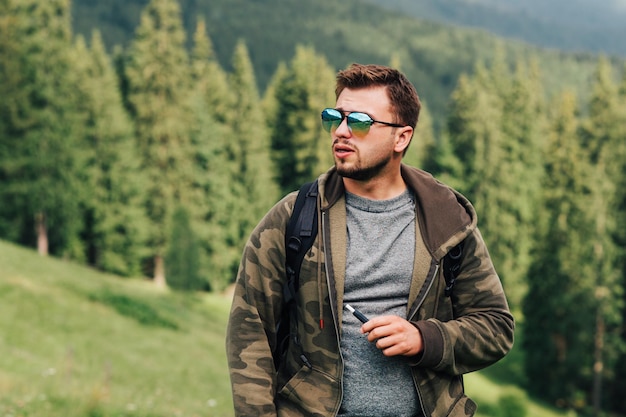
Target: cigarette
<point>362,318</point>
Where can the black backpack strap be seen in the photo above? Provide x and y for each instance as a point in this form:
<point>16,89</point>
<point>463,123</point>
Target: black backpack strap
<point>451,267</point>
<point>300,234</point>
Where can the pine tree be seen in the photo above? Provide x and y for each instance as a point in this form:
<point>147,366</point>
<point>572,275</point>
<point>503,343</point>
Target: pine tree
<point>214,198</point>
<point>572,354</point>
<point>445,164</point>
<point>215,190</point>
<point>12,77</point>
<point>300,148</point>
<point>495,128</point>
<point>422,150</point>
<point>40,126</point>
<point>618,386</point>
<point>270,101</point>
<point>474,130</point>
<point>523,130</point>
<point>475,135</point>
<point>114,221</point>
<point>558,341</point>
<point>158,84</point>
<point>603,135</point>
<point>423,147</point>
<point>208,76</point>
<point>249,149</point>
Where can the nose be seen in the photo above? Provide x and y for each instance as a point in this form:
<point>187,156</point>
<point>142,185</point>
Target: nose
<point>343,129</point>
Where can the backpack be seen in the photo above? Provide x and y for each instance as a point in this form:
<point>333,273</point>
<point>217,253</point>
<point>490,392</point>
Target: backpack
<point>299,237</point>
<point>300,234</point>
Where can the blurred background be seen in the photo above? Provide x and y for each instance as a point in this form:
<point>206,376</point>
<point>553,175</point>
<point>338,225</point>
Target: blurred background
<point>142,140</point>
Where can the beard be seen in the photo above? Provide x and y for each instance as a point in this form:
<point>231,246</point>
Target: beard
<point>359,172</point>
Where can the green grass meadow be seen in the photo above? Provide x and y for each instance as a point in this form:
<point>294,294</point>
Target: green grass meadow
<point>77,342</point>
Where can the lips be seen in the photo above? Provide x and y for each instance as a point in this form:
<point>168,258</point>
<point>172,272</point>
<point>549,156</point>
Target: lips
<point>342,150</point>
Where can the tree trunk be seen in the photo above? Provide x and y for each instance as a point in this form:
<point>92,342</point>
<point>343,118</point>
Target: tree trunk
<point>42,234</point>
<point>159,272</point>
<point>598,365</point>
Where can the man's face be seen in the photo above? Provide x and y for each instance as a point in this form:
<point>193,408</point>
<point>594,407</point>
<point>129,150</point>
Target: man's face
<point>363,156</point>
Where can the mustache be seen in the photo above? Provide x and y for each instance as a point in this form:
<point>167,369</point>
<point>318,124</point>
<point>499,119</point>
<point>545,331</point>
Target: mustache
<point>345,144</point>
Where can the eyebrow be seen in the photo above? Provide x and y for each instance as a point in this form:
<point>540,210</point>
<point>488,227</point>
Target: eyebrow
<point>342,110</point>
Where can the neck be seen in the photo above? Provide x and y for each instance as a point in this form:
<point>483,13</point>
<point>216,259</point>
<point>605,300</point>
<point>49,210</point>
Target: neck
<point>379,188</point>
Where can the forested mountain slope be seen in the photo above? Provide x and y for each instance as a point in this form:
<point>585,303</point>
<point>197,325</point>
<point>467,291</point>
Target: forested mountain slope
<point>572,25</point>
<point>432,54</point>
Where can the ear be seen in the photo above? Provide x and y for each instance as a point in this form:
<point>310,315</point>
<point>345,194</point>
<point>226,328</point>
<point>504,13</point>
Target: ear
<point>403,138</point>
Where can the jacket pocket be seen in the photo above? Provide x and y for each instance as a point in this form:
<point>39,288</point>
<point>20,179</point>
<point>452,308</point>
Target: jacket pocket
<point>308,391</point>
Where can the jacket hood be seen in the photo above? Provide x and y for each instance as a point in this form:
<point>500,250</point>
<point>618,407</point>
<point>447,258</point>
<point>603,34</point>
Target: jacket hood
<point>445,216</point>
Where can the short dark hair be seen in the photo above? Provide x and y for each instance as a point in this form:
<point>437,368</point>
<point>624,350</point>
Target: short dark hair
<point>402,94</point>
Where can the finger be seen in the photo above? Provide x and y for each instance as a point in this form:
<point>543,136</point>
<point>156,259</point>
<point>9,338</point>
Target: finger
<point>380,322</point>
<point>374,323</point>
<point>392,351</point>
<point>380,332</point>
<point>394,345</point>
<point>386,328</point>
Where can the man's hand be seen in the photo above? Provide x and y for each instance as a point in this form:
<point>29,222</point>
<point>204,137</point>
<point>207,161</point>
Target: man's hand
<point>393,335</point>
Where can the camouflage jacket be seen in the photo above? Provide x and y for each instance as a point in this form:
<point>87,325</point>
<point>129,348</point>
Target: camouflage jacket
<point>465,332</point>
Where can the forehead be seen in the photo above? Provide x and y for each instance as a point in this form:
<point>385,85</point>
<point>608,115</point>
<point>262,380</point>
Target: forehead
<point>371,100</point>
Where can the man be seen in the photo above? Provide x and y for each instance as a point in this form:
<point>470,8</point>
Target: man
<point>384,230</point>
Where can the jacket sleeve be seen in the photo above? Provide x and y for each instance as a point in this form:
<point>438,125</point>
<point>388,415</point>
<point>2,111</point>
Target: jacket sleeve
<point>256,306</point>
<point>481,329</point>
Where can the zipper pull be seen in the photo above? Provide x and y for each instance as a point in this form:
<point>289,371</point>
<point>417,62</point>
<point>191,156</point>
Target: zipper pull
<point>306,361</point>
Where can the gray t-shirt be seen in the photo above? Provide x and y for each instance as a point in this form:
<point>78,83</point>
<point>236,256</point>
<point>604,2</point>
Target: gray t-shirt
<point>381,248</point>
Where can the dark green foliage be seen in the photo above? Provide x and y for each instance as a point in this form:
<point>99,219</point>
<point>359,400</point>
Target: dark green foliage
<point>495,128</point>
<point>249,146</point>
<point>571,350</point>
<point>603,137</point>
<point>209,78</point>
<point>214,191</point>
<point>618,386</point>
<point>114,223</point>
<point>291,112</point>
<point>423,145</point>
<point>558,342</point>
<point>300,148</point>
<point>214,196</point>
<point>40,167</point>
<point>158,77</point>
<point>616,398</point>
<point>182,260</point>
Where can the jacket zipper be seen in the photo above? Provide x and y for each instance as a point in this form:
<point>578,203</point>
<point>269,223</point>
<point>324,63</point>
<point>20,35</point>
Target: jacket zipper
<point>414,311</point>
<point>418,303</point>
<point>333,308</point>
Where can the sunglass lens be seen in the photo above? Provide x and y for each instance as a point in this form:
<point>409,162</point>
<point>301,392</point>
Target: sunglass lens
<point>331,119</point>
<point>359,122</point>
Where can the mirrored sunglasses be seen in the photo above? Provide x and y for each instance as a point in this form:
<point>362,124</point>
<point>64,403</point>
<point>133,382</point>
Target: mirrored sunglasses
<point>359,123</point>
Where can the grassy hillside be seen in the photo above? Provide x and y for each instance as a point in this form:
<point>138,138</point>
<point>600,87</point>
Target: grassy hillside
<point>76,342</point>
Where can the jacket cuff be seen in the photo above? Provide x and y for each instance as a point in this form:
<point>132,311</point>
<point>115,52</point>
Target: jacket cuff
<point>432,355</point>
